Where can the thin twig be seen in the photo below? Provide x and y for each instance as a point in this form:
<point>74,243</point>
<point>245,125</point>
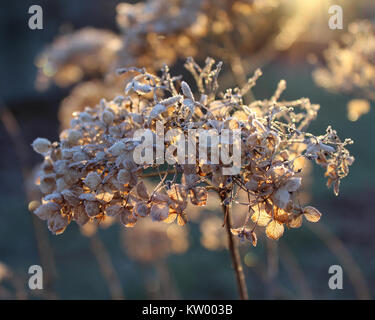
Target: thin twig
<point>106,267</point>
<point>296,274</point>
<point>234,252</point>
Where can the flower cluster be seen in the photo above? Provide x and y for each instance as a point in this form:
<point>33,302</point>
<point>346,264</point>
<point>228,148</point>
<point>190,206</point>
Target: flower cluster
<point>351,63</point>
<point>72,56</point>
<point>156,32</point>
<point>91,173</point>
<point>350,66</point>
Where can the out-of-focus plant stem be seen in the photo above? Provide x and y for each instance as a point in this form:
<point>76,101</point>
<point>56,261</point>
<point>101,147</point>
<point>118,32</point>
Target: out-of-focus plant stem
<point>296,274</point>
<point>272,267</point>
<point>44,248</point>
<point>167,283</point>
<point>343,254</point>
<point>109,273</point>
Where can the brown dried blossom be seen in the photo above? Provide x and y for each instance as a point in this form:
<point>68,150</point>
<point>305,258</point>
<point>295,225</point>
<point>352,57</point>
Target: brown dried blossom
<point>71,56</point>
<point>91,173</point>
<point>170,29</point>
<point>157,32</point>
<point>350,66</point>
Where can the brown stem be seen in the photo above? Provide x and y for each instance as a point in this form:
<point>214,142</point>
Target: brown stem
<point>234,252</point>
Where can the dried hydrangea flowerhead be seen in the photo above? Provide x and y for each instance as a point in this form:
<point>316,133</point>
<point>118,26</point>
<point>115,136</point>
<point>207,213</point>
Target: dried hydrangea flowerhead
<point>161,31</point>
<point>155,32</point>
<point>91,173</point>
<point>350,66</point>
<point>72,56</point>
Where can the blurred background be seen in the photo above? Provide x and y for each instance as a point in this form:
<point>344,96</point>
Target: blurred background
<point>47,74</point>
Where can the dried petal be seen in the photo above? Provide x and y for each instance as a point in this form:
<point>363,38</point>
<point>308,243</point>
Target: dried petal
<point>41,145</point>
<point>113,210</point>
<point>80,215</point>
<point>124,176</point>
<point>295,221</point>
<point>127,218</point>
<point>261,218</point>
<point>159,212</point>
<point>281,198</point>
<point>141,209</point>
<point>311,214</point>
<point>142,191</point>
<point>274,230</point>
<point>45,211</point>
<point>171,218</point>
<point>92,180</point>
<point>92,208</point>
<point>58,223</point>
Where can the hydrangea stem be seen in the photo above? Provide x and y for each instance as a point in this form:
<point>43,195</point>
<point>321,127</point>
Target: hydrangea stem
<point>234,252</point>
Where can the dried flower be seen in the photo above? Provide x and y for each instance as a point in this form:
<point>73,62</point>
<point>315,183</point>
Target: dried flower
<point>91,173</point>
<point>350,66</point>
